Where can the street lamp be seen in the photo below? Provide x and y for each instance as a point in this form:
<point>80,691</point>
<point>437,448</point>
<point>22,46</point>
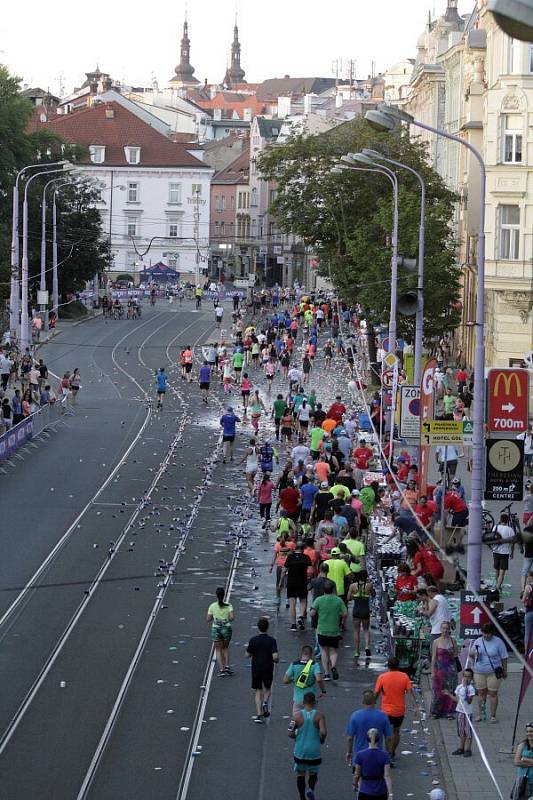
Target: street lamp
<point>386,118</point>
<point>25,335</point>
<point>419,323</point>
<point>14,296</point>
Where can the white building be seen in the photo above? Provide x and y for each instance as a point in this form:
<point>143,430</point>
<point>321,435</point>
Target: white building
<point>155,204</point>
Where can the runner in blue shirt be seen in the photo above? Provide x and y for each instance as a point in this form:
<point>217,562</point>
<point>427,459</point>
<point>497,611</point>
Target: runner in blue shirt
<point>308,491</point>
<point>228,421</point>
<point>204,378</point>
<point>161,381</point>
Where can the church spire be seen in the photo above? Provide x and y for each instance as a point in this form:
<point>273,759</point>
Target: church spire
<point>235,74</point>
<point>185,71</point>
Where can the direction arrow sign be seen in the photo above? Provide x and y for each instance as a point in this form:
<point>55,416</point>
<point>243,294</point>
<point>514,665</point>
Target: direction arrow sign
<point>508,395</point>
<point>442,431</point>
<point>472,615</point>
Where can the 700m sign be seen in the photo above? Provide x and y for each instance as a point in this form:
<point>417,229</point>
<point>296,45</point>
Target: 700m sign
<point>508,394</point>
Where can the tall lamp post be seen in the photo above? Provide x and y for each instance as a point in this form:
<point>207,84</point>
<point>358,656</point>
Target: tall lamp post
<point>25,334</point>
<point>419,321</point>
<point>386,119</point>
<point>14,296</point>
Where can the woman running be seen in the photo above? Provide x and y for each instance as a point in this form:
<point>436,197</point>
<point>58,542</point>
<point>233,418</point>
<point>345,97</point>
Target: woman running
<point>360,592</point>
<point>252,463</point>
<point>257,407</point>
<point>246,387</point>
<point>220,615</point>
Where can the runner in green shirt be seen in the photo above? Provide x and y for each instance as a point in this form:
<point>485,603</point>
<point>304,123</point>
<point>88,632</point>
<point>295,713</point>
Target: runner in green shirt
<point>330,610</point>
<point>279,407</point>
<point>317,435</point>
<point>356,549</point>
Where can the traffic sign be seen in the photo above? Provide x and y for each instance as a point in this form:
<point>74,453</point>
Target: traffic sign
<point>409,411</point>
<point>442,431</point>
<point>468,431</point>
<point>390,360</point>
<point>504,470</point>
<point>387,379</point>
<point>427,402</point>
<point>472,615</point>
<point>508,394</point>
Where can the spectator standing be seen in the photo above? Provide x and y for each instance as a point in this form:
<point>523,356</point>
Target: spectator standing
<point>490,668</point>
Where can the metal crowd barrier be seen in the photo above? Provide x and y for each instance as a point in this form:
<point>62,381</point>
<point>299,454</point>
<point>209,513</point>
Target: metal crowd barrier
<point>21,433</point>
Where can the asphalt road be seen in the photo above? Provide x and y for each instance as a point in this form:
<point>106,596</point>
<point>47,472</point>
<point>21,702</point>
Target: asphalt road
<point>105,660</point>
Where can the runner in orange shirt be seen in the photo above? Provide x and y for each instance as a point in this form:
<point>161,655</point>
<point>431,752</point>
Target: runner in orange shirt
<point>393,686</point>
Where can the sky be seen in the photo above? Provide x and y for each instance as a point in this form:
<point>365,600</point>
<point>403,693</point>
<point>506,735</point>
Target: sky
<point>137,41</point>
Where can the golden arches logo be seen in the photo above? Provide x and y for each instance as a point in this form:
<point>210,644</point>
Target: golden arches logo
<point>507,378</point>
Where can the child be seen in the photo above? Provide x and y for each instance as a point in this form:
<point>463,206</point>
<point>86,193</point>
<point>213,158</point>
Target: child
<point>227,377</point>
<point>463,697</point>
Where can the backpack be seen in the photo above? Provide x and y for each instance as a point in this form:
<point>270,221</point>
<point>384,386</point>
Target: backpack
<point>303,680</point>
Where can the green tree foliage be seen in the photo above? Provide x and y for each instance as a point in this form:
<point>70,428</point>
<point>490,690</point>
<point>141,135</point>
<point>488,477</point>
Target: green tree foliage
<point>81,245</point>
<point>347,220</point>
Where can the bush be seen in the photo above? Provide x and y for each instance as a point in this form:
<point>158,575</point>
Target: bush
<point>74,310</point>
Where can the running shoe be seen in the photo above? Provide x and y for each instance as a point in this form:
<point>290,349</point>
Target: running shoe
<point>301,623</point>
<point>327,677</point>
<point>310,795</point>
<point>266,712</point>
<point>293,627</point>
<point>258,720</point>
<point>334,673</point>
<point>222,673</point>
<point>229,671</point>
<point>367,652</point>
<point>356,654</point>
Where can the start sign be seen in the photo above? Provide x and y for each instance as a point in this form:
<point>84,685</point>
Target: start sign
<point>472,614</point>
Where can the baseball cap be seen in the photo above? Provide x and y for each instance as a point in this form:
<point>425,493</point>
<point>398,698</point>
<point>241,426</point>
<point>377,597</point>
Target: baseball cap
<point>230,408</point>
<point>335,551</point>
<point>355,492</point>
<point>437,794</point>
<point>324,485</point>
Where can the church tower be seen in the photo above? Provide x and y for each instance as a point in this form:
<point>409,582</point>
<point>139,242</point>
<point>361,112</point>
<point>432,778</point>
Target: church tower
<point>235,73</point>
<point>184,71</point>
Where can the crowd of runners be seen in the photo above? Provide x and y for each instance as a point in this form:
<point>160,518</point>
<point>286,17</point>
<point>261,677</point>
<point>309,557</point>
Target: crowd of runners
<point>319,481</point>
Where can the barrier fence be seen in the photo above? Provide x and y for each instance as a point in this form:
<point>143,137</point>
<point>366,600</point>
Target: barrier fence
<point>21,433</point>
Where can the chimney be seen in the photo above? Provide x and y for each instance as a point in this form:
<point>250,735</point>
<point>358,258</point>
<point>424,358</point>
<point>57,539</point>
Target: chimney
<point>107,83</point>
<point>338,100</point>
<point>93,87</point>
<point>247,114</point>
<point>308,103</point>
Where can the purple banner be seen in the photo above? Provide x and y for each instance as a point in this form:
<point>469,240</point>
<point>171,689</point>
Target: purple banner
<point>15,438</point>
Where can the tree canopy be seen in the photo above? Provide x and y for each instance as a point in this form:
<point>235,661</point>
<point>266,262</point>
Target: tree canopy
<point>347,220</point>
<point>81,244</point>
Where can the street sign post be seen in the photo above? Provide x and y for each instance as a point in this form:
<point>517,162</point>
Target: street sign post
<point>387,379</point>
<point>472,615</point>
<point>507,402</point>
<point>409,412</point>
<point>427,402</point>
<point>441,431</point>
<point>504,471</point>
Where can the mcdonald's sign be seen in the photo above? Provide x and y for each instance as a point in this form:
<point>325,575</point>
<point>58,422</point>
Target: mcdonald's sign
<point>508,395</point>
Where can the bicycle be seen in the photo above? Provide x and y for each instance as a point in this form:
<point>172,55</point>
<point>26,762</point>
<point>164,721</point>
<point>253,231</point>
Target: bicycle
<point>489,524</point>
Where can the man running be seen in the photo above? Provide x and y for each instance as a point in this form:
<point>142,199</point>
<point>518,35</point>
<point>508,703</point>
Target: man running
<point>394,685</point>
<point>263,650</point>
<point>204,379</point>
<point>308,727</point>
<point>228,422</point>
<point>219,313</point>
<point>161,381</point>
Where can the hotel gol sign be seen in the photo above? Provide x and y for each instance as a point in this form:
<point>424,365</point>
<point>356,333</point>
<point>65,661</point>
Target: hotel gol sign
<point>507,400</point>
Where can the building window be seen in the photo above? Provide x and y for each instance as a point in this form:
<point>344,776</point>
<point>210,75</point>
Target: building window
<point>273,195</point>
<point>253,167</point>
<point>131,259</point>
<point>133,192</point>
<point>173,226</point>
<point>174,193</point>
<point>512,139</point>
<point>509,232</point>
<point>197,189</point>
<point>231,229</point>
<point>254,228</point>
<point>514,52</point>
<point>271,229</point>
<point>232,202</point>
<point>132,227</point>
<point>223,202</point>
<point>133,155</point>
<point>222,228</point>
<point>254,196</point>
<point>97,153</point>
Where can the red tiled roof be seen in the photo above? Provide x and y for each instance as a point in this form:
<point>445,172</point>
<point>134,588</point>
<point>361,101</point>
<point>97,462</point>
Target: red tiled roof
<point>91,126</point>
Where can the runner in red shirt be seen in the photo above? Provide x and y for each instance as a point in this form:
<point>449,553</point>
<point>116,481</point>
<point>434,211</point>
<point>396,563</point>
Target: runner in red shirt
<point>337,410</point>
<point>289,500</point>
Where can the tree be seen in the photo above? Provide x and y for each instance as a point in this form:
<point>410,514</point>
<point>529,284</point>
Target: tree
<point>82,246</point>
<point>347,220</point>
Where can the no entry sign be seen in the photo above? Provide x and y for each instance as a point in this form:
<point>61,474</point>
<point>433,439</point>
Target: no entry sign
<point>472,615</point>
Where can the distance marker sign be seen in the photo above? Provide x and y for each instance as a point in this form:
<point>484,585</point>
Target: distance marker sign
<point>504,473</point>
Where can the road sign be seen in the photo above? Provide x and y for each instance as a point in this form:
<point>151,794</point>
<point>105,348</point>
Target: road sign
<point>472,615</point>
<point>387,379</point>
<point>504,471</point>
<point>427,402</point>
<point>468,431</point>
<point>409,411</point>
<point>508,394</point>
<point>390,360</point>
<point>441,431</point>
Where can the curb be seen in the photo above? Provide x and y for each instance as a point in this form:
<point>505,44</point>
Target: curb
<point>445,768</point>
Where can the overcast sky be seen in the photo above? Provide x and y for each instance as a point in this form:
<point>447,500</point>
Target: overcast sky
<point>135,41</point>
